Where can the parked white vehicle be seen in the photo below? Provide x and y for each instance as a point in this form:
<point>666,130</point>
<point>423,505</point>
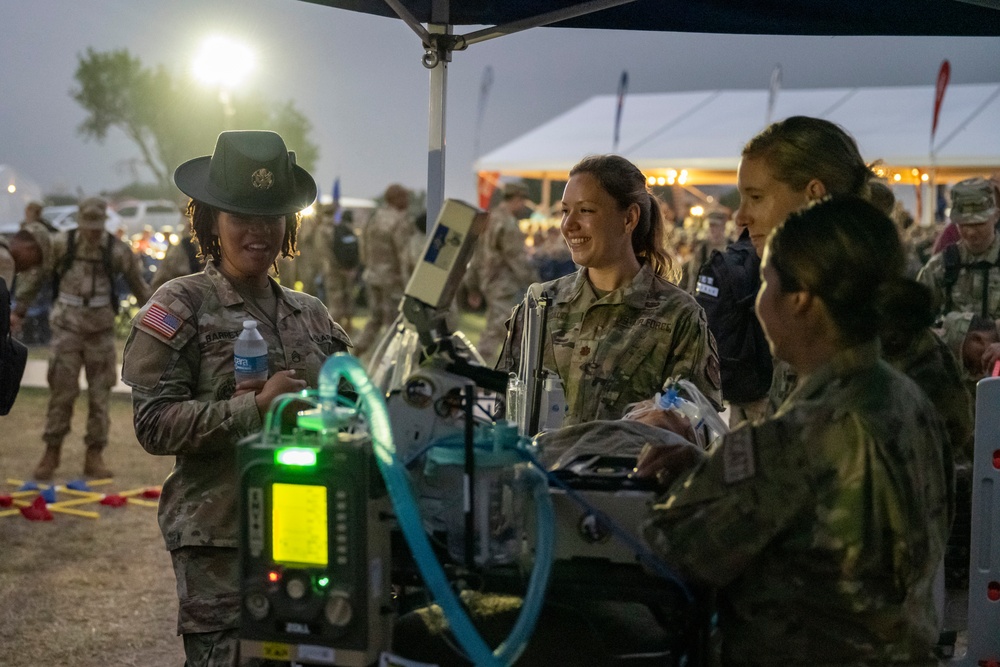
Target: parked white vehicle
<point>63,218</point>
<point>136,215</point>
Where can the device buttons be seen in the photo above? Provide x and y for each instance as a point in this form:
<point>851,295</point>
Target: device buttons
<point>296,588</point>
<point>258,605</point>
<point>338,609</point>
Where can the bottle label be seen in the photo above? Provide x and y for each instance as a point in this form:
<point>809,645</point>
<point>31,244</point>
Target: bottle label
<point>250,365</point>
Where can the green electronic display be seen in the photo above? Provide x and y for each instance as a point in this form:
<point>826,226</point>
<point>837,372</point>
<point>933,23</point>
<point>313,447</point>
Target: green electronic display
<point>299,533</point>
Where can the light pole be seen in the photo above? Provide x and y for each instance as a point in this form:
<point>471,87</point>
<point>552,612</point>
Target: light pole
<point>225,63</point>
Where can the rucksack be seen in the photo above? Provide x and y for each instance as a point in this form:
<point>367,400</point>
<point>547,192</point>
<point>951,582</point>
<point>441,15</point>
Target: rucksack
<point>727,288</point>
<point>13,355</point>
<point>345,245</point>
<point>70,257</point>
<point>953,267</point>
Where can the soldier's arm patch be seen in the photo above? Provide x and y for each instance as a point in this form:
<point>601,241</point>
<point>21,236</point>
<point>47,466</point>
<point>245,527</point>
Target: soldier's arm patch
<point>738,462</point>
<point>161,320</point>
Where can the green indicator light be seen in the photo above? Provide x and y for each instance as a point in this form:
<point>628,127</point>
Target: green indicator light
<point>296,456</point>
<point>323,582</point>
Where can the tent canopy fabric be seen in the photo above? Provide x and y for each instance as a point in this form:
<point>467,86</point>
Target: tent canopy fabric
<point>774,17</point>
<point>704,132</point>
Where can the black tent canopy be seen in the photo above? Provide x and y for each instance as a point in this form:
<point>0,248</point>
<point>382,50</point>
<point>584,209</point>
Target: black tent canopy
<point>434,22</point>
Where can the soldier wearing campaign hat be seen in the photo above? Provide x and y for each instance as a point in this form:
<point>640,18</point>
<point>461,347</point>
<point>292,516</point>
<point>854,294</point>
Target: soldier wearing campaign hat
<point>245,202</point>
<point>965,277</point>
<point>83,264</point>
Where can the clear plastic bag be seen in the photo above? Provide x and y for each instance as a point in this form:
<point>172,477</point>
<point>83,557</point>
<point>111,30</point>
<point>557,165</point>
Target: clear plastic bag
<point>684,398</point>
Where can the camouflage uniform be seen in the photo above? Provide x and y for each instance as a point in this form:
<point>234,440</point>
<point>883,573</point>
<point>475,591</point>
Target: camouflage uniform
<point>83,335</point>
<point>928,362</point>
<point>182,388</point>
<point>823,527</point>
<point>501,270</point>
<point>338,282</point>
<point>967,293</point>
<point>6,263</point>
<point>181,259</point>
<point>619,349</point>
<point>385,243</point>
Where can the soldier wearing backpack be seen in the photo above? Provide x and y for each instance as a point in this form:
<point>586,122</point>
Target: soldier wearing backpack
<point>341,260</point>
<point>965,276</point>
<point>85,262</point>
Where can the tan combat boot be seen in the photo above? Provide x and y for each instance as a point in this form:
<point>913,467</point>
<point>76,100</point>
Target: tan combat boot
<point>48,464</point>
<point>93,464</point>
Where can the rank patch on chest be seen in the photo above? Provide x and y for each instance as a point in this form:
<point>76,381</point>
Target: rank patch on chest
<point>161,320</point>
<point>738,456</point>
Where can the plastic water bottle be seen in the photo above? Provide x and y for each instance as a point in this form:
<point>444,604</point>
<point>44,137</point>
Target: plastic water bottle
<point>250,354</point>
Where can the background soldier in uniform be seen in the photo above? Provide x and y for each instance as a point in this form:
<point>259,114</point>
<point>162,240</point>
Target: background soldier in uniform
<point>85,262</point>
<point>340,267</point>
<point>965,277</point>
<point>385,248</point>
<point>500,270</point>
<point>181,259</point>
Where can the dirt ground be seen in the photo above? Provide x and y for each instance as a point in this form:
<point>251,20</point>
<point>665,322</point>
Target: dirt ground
<point>80,591</point>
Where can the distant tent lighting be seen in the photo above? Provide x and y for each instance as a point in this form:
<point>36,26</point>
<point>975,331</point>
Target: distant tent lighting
<point>651,180</point>
<point>12,188</point>
<point>924,177</point>
<point>897,177</point>
<point>697,211</point>
<point>661,180</point>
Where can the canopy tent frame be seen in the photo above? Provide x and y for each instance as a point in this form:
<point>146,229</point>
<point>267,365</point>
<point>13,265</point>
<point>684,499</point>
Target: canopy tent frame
<point>816,17</point>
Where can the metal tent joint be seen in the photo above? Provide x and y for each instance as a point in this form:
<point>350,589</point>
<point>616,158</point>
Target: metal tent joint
<point>439,46</point>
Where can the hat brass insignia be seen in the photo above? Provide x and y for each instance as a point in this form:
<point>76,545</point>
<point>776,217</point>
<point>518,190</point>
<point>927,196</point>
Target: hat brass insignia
<point>262,179</point>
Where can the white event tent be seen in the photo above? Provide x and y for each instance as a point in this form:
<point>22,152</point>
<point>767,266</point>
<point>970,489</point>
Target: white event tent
<point>696,137</point>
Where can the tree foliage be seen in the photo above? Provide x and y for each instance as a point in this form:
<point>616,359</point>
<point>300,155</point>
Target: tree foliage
<point>171,118</point>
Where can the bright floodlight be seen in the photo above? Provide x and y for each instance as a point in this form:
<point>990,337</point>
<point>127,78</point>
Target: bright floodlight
<point>223,62</point>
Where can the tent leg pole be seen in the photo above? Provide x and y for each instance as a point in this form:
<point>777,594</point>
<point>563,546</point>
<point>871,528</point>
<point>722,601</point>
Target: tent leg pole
<point>436,133</point>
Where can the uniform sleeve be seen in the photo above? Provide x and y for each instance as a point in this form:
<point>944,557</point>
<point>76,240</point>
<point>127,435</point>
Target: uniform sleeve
<point>695,355</point>
<point>731,506</point>
<point>131,268</point>
<point>515,255</point>
<point>932,275</point>
<point>30,283</point>
<point>163,372</point>
<point>404,230</point>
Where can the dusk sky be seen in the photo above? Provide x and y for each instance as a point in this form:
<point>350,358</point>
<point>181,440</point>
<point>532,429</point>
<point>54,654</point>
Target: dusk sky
<point>359,80</point>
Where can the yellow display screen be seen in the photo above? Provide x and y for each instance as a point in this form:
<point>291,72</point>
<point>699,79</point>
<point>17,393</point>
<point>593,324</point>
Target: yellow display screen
<point>298,524</point>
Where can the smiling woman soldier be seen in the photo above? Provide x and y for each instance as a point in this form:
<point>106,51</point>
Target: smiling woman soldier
<point>245,200</point>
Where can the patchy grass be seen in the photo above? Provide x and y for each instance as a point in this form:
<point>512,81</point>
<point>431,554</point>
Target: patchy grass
<point>90,592</point>
<point>79,591</point>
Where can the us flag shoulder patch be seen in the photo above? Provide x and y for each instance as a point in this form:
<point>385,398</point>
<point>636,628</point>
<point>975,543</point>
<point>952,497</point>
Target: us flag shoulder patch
<point>161,320</point>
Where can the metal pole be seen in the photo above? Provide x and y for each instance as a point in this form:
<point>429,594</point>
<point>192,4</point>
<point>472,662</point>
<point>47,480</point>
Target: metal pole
<point>436,129</point>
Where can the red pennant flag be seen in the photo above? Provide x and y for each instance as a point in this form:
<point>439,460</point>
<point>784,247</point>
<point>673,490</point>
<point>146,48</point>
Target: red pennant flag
<point>488,181</point>
<point>942,84</point>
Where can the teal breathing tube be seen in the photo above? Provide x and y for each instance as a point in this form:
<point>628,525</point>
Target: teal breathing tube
<point>372,405</point>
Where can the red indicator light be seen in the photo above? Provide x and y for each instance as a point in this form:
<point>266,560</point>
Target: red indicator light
<point>993,591</point>
<point>273,576</point>
<point>996,459</point>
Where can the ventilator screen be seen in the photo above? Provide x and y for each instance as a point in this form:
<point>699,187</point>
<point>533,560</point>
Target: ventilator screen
<point>299,524</point>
